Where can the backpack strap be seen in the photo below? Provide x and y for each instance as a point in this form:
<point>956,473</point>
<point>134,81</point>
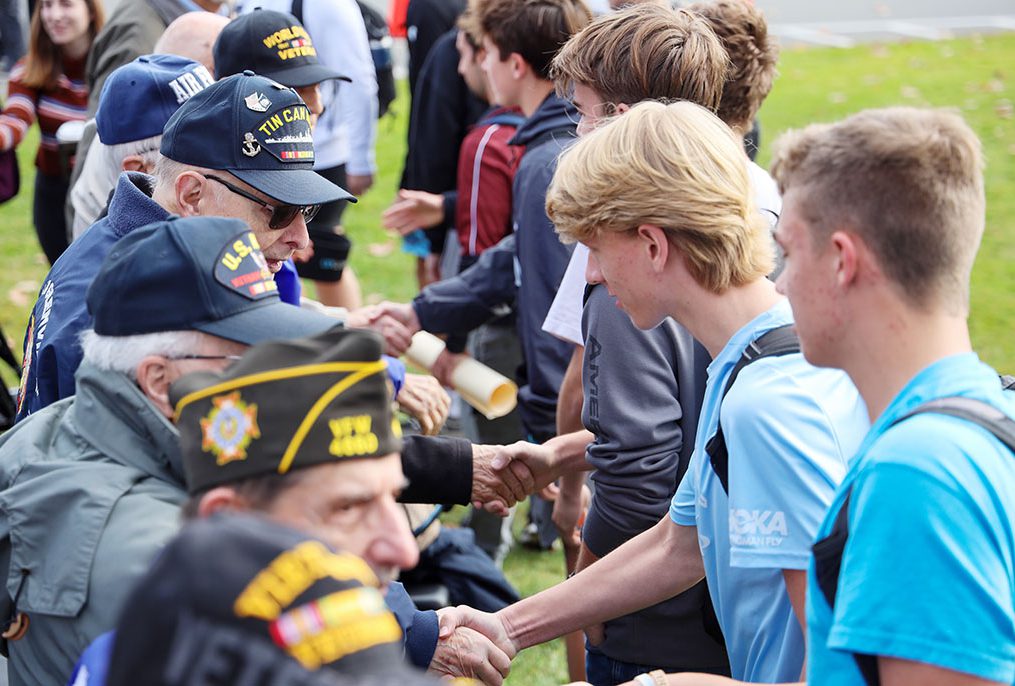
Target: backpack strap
<point>297,11</point>
<point>828,551</point>
<point>774,343</point>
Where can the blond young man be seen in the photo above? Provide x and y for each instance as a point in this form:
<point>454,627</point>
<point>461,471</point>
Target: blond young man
<point>884,213</point>
<point>701,256</point>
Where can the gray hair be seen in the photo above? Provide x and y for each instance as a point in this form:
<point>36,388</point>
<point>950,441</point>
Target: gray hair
<point>123,354</point>
<point>166,171</point>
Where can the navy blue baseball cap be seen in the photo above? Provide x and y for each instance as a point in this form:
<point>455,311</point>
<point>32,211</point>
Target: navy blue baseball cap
<point>139,98</point>
<point>200,273</point>
<point>256,129</point>
<point>272,44</point>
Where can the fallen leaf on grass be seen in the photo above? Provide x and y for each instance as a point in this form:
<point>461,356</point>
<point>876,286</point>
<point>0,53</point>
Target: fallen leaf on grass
<point>21,292</point>
<point>910,92</point>
<point>381,249</point>
<point>1004,109</point>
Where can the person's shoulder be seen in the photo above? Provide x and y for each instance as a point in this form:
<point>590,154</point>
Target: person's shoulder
<point>787,391</point>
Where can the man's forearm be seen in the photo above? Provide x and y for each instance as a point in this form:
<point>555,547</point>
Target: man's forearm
<point>569,452</point>
<point>654,566</point>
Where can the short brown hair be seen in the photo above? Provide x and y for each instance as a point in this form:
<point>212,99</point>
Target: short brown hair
<point>645,52</point>
<point>468,24</point>
<point>908,181</point>
<point>535,29</point>
<point>675,166</point>
<point>744,33</point>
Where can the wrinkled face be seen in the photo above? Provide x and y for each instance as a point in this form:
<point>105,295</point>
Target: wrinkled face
<point>65,21</point>
<point>618,260</point>
<point>499,76</point>
<point>350,505</point>
<point>278,245</point>
<point>470,67</point>
<point>808,280</point>
<point>593,109</point>
<point>213,354</point>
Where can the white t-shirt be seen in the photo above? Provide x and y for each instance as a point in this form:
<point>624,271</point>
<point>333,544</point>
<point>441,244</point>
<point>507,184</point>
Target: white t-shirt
<point>564,319</point>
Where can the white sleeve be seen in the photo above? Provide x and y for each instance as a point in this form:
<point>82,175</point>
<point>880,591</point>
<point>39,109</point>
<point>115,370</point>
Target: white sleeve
<point>340,37</point>
<point>564,319</point>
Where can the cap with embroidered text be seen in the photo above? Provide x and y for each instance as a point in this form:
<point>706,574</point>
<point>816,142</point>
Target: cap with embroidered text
<point>200,273</point>
<point>138,98</point>
<point>243,595</point>
<point>272,44</point>
<point>256,129</point>
<point>286,405</point>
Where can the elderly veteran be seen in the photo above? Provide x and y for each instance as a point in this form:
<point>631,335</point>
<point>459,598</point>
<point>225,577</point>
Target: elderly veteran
<point>102,468</point>
<point>302,431</point>
<point>223,592</point>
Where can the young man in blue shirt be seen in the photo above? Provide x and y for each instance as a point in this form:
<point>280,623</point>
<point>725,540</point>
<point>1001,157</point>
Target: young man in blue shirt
<point>882,216</point>
<point>701,255</point>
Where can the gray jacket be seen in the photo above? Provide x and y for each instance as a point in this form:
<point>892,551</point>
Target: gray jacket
<point>90,492</point>
<point>643,393</point>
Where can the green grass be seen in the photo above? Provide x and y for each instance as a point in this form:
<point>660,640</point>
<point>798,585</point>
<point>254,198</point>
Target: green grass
<point>973,75</point>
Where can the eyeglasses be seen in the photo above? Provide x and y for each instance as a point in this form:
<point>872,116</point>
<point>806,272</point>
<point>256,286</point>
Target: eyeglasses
<point>281,215</point>
<point>231,358</point>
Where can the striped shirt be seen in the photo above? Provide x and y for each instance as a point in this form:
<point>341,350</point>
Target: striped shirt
<point>68,101</point>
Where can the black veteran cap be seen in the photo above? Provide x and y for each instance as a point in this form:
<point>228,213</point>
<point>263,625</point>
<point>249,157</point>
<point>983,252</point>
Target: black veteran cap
<point>240,599</point>
<point>285,405</point>
<point>256,129</point>
<point>201,273</point>
<point>272,44</point>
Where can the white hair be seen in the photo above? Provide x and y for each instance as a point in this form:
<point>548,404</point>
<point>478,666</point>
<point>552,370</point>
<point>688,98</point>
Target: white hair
<point>101,168</point>
<point>123,354</point>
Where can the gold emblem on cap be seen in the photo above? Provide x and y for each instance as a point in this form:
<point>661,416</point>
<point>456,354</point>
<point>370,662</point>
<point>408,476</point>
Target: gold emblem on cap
<point>229,427</point>
<point>257,102</point>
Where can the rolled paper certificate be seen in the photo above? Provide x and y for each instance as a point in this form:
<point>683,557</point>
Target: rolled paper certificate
<point>491,393</point>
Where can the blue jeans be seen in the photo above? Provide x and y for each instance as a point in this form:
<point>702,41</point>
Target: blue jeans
<point>601,670</point>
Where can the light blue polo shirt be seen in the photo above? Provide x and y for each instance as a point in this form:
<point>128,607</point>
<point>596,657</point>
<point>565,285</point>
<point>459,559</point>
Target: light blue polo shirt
<point>790,430</point>
<point>928,573</point>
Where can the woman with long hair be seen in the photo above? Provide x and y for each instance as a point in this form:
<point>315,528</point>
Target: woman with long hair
<point>48,84</point>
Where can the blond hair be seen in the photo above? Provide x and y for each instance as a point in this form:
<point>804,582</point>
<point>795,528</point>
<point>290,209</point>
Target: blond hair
<point>743,31</point>
<point>645,52</point>
<point>675,166</point>
<point>908,181</point>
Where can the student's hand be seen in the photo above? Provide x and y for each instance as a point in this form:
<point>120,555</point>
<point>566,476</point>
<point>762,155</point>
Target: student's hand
<point>404,313</point>
<point>468,653</point>
<point>397,337</point>
<point>569,512</point>
<point>444,366</point>
<point>532,464</point>
<point>358,184</point>
<point>422,397</point>
<point>413,210</point>
<point>495,491</point>
<point>490,625</point>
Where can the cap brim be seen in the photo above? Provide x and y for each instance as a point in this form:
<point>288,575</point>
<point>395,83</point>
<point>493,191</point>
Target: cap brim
<point>293,186</point>
<point>274,320</point>
<point>305,75</point>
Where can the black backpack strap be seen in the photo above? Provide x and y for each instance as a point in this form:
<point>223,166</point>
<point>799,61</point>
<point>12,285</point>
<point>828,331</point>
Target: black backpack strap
<point>828,551</point>
<point>297,11</point>
<point>780,341</point>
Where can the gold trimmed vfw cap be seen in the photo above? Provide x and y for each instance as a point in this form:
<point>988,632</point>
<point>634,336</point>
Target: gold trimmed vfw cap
<point>285,405</point>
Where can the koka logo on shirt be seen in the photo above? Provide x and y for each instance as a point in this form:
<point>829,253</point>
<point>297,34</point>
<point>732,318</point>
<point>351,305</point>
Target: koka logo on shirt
<point>757,528</point>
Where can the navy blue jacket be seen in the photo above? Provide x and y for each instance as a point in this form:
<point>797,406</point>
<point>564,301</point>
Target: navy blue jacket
<point>52,351</point>
<point>527,265</point>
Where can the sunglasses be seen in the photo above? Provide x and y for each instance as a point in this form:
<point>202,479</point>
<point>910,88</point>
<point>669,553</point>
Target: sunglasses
<point>281,215</point>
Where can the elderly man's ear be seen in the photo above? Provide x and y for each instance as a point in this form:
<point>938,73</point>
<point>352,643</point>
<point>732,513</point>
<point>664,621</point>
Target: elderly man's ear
<point>153,378</point>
